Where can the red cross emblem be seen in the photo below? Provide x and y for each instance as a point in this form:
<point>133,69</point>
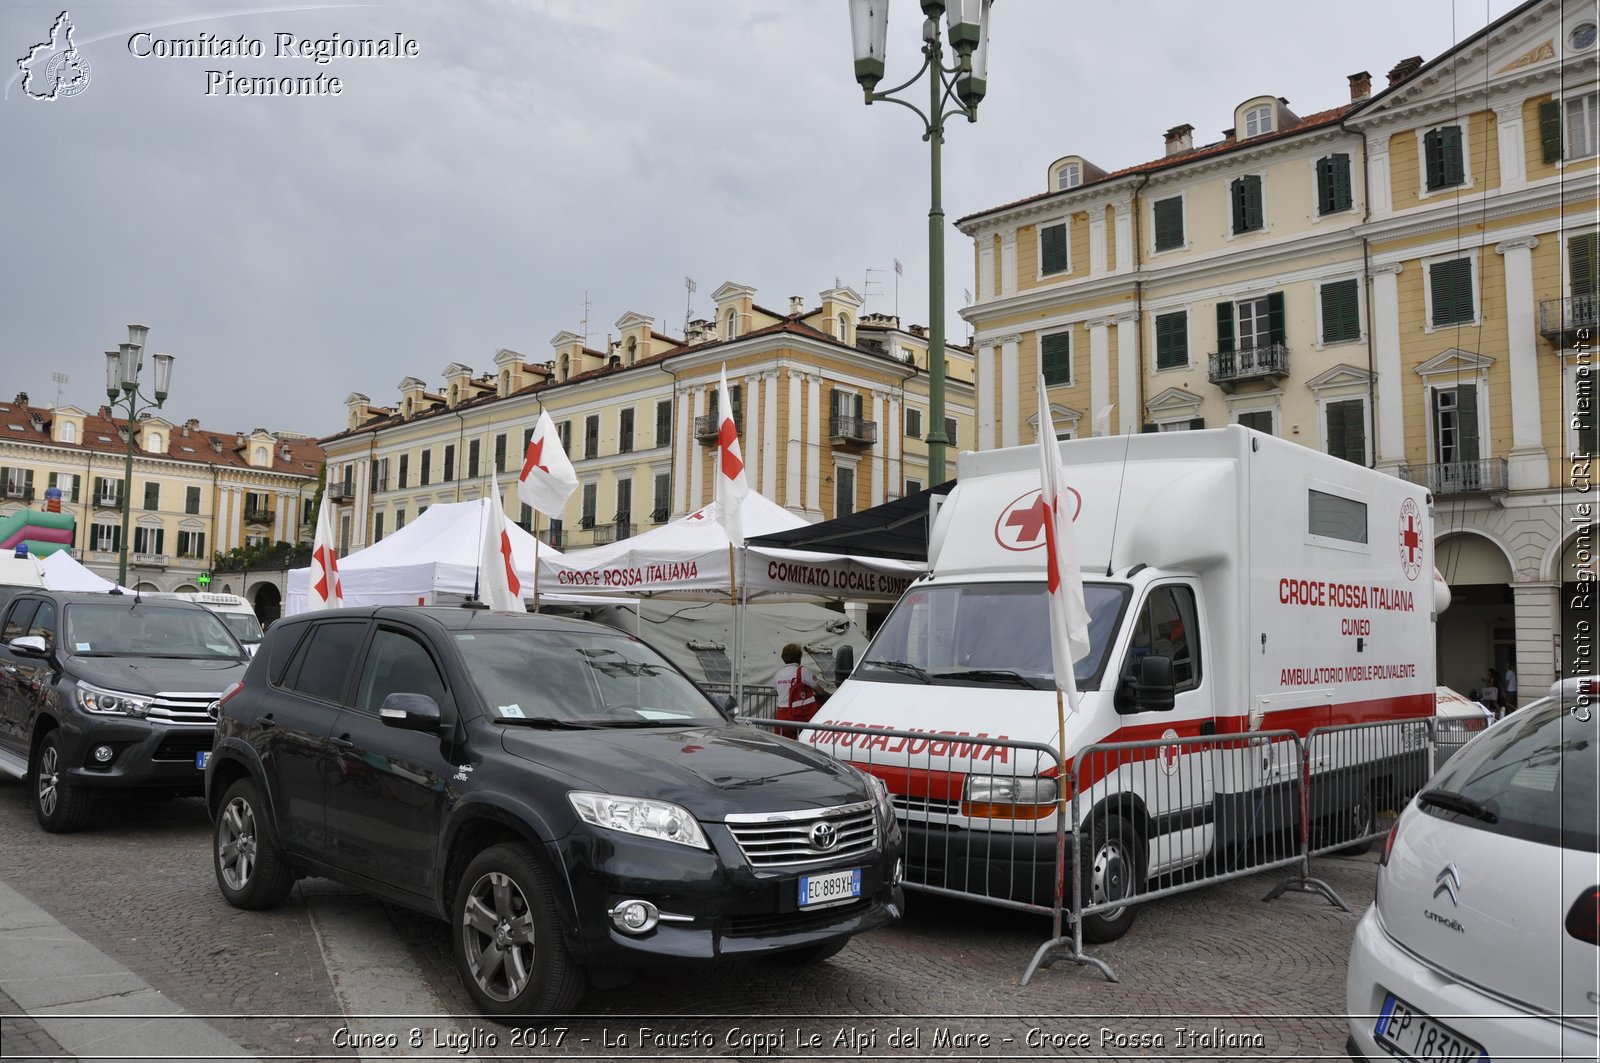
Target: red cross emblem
<point>511,570</point>
<point>1023,524</point>
<point>330,574</point>
<point>1410,539</point>
<point>531,462</point>
<point>728,440</point>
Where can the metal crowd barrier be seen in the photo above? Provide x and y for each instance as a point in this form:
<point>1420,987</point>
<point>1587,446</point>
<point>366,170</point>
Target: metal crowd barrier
<point>980,815</point>
<point>1453,732</point>
<point>757,703</point>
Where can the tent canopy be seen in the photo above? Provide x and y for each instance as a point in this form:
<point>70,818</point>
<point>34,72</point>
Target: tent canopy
<point>897,529</point>
<point>690,558</point>
<point>435,554</point>
<point>63,572</point>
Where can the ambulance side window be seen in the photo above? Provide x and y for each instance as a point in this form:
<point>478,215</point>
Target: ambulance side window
<point>1168,625</point>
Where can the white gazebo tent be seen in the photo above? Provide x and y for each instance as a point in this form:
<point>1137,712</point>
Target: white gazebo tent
<point>63,572</point>
<point>432,560</point>
<point>690,558</point>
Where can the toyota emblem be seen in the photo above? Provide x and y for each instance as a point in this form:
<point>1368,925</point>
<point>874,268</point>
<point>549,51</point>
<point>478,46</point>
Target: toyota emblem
<point>823,836</point>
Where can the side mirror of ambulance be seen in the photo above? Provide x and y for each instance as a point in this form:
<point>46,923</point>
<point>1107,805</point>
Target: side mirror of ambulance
<point>844,662</point>
<point>1153,686</point>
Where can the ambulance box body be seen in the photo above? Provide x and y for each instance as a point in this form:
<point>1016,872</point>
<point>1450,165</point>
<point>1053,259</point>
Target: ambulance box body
<point>1286,589</point>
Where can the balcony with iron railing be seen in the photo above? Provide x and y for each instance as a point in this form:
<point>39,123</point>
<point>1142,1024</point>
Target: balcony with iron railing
<point>849,430</point>
<point>1567,322</point>
<point>108,501</point>
<point>555,538</point>
<point>1484,476</point>
<point>257,516</point>
<point>344,492</point>
<point>612,532</point>
<point>18,493</point>
<point>1269,361</point>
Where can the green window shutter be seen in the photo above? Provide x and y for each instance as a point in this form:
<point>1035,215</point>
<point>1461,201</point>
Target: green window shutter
<point>1276,332</point>
<point>1055,355</point>
<point>1347,430</point>
<point>1582,252</point>
<point>1340,312</point>
<point>1333,184</point>
<point>1053,239</point>
<point>1550,130</point>
<point>1247,204</point>
<point>1467,411</point>
<point>1451,286</point>
<point>1224,328</point>
<point>1172,341</point>
<point>1169,223</point>
<point>1442,147</point>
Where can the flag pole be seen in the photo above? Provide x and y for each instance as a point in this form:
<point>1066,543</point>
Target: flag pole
<point>1061,803</point>
<point>536,560</point>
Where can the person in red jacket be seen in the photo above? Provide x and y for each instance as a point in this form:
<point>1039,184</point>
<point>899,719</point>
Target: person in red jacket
<point>800,692</point>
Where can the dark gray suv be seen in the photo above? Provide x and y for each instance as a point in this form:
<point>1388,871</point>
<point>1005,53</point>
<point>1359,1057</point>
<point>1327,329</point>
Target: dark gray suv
<point>102,692</point>
<point>567,799</point>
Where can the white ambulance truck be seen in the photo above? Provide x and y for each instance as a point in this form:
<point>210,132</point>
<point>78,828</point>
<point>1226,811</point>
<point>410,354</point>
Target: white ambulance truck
<point>1235,583</point>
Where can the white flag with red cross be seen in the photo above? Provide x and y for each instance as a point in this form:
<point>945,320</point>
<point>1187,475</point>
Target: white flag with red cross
<point>1069,616</point>
<point>731,485</point>
<point>498,585</point>
<point>547,478</point>
<point>322,588</point>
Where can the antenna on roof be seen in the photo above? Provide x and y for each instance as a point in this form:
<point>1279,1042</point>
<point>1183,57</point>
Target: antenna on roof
<point>867,283</point>
<point>966,296</point>
<point>60,379</point>
<point>476,602</point>
<point>584,328</point>
<point>688,302</point>
<point>898,270</point>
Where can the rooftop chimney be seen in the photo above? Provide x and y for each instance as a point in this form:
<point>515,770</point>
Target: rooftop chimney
<point>1180,138</point>
<point>1404,69</point>
<point>1360,86</point>
<point>797,305</point>
<point>21,399</point>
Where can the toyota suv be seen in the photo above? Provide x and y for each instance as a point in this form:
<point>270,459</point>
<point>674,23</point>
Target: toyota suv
<point>107,692</point>
<point>571,803</point>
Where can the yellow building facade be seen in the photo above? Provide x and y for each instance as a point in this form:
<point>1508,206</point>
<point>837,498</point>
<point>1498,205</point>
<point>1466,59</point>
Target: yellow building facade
<point>1406,280</point>
<point>831,406</point>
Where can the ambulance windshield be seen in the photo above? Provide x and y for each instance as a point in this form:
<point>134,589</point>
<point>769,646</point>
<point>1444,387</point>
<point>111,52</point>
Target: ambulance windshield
<point>985,633</point>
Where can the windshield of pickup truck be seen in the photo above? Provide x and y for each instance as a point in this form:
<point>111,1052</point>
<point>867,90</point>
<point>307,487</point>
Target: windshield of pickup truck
<point>579,679</point>
<point>245,627</point>
<point>991,634</point>
<point>146,630</point>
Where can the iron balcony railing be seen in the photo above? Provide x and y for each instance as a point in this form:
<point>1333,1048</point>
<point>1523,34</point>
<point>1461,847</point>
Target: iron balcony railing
<point>343,492</point>
<point>705,428</point>
<point>613,532</point>
<point>848,428</point>
<point>1484,476</point>
<point>258,516</point>
<point>1250,363</point>
<point>108,501</point>
<point>1565,320</point>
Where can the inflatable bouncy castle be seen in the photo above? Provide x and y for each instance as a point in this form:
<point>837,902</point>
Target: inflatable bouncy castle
<point>43,532</point>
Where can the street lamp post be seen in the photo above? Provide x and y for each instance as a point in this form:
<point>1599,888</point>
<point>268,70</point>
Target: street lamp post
<point>960,88</point>
<point>123,367</point>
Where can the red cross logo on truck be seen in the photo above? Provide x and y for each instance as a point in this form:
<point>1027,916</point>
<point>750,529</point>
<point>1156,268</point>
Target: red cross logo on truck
<point>1021,524</point>
<point>1410,539</point>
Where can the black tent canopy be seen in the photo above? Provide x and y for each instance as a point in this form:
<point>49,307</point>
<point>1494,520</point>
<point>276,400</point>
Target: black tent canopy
<point>897,529</point>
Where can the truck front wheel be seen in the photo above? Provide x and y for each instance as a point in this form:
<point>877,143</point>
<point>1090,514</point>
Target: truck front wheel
<point>1112,870</point>
<point>59,806</point>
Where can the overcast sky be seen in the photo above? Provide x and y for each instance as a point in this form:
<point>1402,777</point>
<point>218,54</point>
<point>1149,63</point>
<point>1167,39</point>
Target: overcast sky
<point>538,153</point>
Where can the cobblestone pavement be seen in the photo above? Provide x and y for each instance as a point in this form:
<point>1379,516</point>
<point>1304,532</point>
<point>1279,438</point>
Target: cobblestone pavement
<point>1260,980</point>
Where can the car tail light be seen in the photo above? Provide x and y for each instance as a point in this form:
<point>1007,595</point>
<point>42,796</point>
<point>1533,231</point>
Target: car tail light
<point>1583,921</point>
<point>216,707</point>
<point>1388,844</point>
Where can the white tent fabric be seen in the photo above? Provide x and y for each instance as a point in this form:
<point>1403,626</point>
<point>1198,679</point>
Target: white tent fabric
<point>689,557</point>
<point>435,554</point>
<point>62,572</point>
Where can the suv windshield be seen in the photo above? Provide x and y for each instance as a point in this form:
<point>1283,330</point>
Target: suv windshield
<point>590,680</point>
<point>985,633</point>
<point>146,630</point>
<point>1535,772</point>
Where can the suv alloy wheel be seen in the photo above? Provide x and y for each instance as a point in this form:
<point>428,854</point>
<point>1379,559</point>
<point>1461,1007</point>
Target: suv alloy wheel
<point>508,945</point>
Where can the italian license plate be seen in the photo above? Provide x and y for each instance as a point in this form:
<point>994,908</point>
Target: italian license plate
<point>1409,1034</point>
<point>201,758</point>
<point>836,887</point>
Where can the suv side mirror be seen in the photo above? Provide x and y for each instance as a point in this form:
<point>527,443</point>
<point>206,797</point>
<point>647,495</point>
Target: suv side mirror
<point>410,712</point>
<point>29,646</point>
<point>1153,686</point>
<point>729,707</point>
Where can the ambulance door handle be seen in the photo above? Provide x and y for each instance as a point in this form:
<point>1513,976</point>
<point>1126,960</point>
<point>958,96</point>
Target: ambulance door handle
<point>1208,727</point>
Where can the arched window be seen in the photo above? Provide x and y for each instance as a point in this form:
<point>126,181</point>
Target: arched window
<point>408,407</point>
<point>455,394</point>
<point>730,324</point>
<point>68,432</point>
<point>633,350</point>
<point>844,327</point>
<point>1069,176</point>
<point>261,456</point>
<point>1258,120</point>
<point>505,382</point>
<point>566,366</point>
<point>153,443</point>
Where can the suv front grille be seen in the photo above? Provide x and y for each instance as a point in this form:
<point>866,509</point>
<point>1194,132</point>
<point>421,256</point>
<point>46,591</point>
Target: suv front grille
<point>182,707</point>
<point>795,839</point>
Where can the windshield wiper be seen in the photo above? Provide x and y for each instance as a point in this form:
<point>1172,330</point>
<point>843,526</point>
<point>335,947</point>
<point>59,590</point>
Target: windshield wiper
<point>542,721</point>
<point>903,667</point>
<point>1454,802</point>
<point>676,722</point>
<point>990,675</point>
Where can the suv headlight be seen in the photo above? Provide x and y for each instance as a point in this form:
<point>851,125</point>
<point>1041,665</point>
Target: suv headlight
<point>1009,797</point>
<point>111,702</point>
<point>641,816</point>
<point>880,796</point>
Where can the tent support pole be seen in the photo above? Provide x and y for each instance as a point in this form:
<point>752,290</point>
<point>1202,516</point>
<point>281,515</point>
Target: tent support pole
<point>536,560</point>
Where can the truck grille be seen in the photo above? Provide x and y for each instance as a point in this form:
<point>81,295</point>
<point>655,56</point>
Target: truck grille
<point>814,836</point>
<point>182,707</point>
